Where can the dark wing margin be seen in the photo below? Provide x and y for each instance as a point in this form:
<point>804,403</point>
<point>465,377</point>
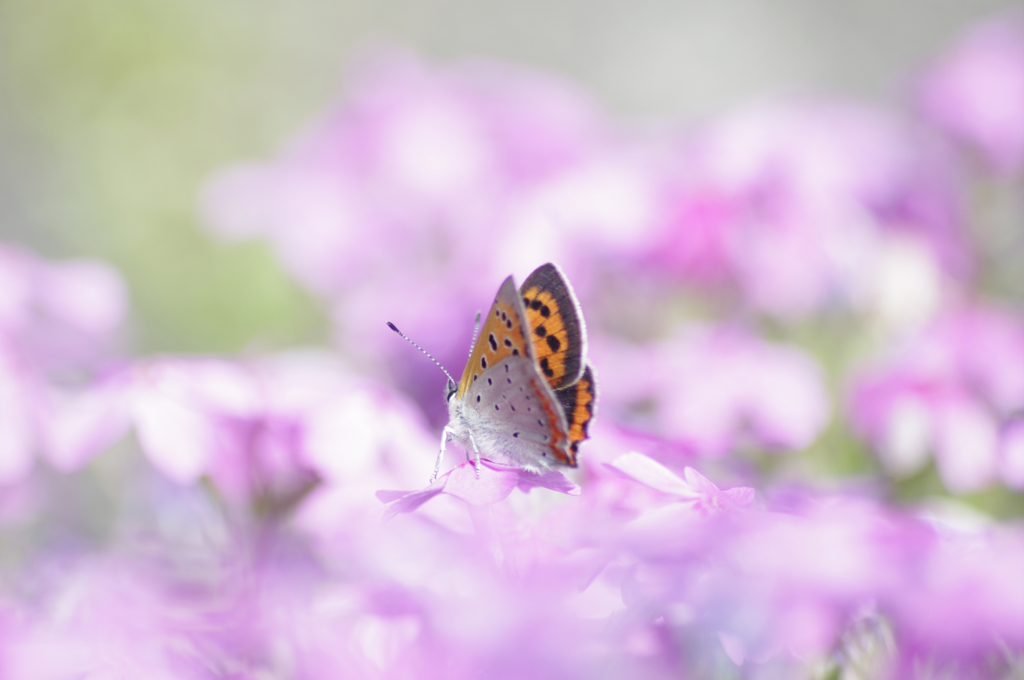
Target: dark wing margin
<point>579,401</point>
<point>558,333</point>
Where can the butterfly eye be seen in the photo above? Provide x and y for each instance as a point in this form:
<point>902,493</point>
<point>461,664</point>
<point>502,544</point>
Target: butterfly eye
<point>450,390</point>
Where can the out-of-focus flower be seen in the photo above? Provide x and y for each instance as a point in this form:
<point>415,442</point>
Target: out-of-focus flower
<point>694,488</point>
<point>958,593</point>
<point>794,203</point>
<point>975,92</point>
<point>948,391</point>
<point>262,430</point>
<point>426,187</point>
<point>60,316</point>
<point>712,390</point>
<point>400,202</point>
<point>493,484</point>
<point>59,324</point>
<point>107,620</point>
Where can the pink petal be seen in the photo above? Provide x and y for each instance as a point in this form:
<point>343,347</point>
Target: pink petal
<point>178,439</point>
<point>1011,460</point>
<point>16,432</point>
<point>80,425</point>
<point>549,479</point>
<point>492,486</point>
<point>651,473</point>
<point>966,446</point>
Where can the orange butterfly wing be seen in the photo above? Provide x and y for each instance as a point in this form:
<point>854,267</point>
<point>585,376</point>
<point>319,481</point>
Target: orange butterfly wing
<point>502,334</point>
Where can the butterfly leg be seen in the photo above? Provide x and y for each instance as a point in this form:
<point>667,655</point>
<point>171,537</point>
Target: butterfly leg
<point>476,459</point>
<point>446,436</point>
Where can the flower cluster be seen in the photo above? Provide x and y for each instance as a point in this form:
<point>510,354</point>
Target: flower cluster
<point>791,330</point>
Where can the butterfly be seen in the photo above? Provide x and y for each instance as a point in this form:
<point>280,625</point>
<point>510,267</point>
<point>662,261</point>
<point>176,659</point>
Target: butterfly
<point>527,394</point>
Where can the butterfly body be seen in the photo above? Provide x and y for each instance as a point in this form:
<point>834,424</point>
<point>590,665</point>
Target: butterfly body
<point>526,395</point>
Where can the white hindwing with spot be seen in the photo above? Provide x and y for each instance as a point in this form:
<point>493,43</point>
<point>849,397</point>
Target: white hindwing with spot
<point>509,409</point>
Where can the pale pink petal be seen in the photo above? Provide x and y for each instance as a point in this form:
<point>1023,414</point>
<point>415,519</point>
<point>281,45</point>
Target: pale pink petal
<point>17,436</point>
<point>548,479</point>
<point>733,647</point>
<point>177,438</point>
<point>81,424</point>
<point>966,446</point>
<point>1011,456</point>
<point>491,487</point>
<point>87,295</point>
<point>650,472</point>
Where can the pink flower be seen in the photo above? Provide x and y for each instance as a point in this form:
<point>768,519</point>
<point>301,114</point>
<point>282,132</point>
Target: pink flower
<point>714,389</point>
<point>59,323</point>
<point>794,204</point>
<point>424,188</point>
<point>694,489</point>
<point>946,391</point>
<point>975,92</point>
<point>961,593</point>
<point>494,483</point>
<point>262,430</point>
<point>60,316</point>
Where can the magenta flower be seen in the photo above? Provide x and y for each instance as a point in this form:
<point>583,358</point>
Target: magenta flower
<point>714,389</point>
<point>975,92</point>
<point>796,205</point>
<point>947,391</point>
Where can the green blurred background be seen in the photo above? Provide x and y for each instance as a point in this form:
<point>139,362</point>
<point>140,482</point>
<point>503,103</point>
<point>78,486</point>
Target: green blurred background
<point>112,112</point>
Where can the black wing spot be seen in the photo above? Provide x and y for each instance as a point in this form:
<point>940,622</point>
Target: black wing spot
<point>540,422</point>
<point>515,352</point>
<point>544,453</point>
<point>475,376</point>
<point>506,368</point>
<point>503,316</point>
<point>526,301</point>
<point>545,311</point>
<point>553,343</point>
<point>483,362</point>
<point>508,342</point>
<point>512,407</point>
<point>545,368</point>
<point>493,342</point>
<point>536,304</point>
<point>490,382</point>
<point>478,398</point>
<point>496,408</point>
<point>509,380</point>
<point>515,434</point>
<point>508,322</point>
<point>540,330</point>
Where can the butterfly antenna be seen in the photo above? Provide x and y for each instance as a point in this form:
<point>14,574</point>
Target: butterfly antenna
<point>476,330</point>
<point>429,356</point>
